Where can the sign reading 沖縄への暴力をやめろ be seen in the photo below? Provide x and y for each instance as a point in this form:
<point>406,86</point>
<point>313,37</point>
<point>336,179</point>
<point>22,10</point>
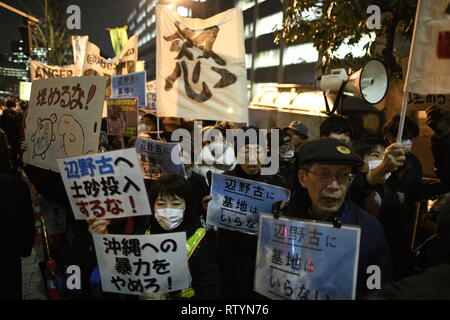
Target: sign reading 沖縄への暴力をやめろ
<point>129,86</point>
<point>305,260</point>
<point>63,119</point>
<point>159,157</point>
<point>139,265</point>
<point>237,203</point>
<point>107,185</point>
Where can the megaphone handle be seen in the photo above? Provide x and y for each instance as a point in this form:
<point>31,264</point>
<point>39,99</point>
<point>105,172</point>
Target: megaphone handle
<point>401,124</point>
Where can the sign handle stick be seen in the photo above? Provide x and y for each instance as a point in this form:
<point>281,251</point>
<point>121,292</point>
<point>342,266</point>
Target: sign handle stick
<point>402,117</point>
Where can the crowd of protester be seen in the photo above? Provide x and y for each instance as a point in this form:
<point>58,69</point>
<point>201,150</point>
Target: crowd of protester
<point>376,185</point>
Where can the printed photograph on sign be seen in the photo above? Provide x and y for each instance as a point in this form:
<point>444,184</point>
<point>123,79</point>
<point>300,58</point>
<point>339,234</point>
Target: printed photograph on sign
<point>305,260</point>
<point>108,185</point>
<point>63,119</point>
<point>142,265</point>
<point>122,117</point>
<point>158,157</point>
<point>237,203</point>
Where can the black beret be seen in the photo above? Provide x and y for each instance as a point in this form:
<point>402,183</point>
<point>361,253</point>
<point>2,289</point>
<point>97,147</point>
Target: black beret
<point>328,150</point>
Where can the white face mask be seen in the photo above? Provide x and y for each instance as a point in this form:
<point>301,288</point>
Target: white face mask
<point>375,163</point>
<point>407,145</point>
<point>288,155</point>
<point>169,218</point>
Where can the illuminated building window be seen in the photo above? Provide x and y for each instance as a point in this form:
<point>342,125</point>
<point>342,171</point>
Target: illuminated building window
<point>267,24</point>
<point>184,12</point>
<point>248,30</point>
<point>248,60</point>
<point>244,4</point>
<point>357,49</point>
<point>267,58</point>
<point>302,53</point>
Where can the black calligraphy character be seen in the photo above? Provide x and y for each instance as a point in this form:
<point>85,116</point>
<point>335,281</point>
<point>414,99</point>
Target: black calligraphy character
<point>123,266</point>
<point>227,202</point>
<point>258,191</point>
<point>54,96</point>
<point>241,205</point>
<point>237,222</point>
<point>130,183</point>
<point>41,97</point>
<point>329,243</point>
<point>91,187</point>
<point>77,95</point>
<point>230,184</point>
<point>168,244</point>
<point>160,266</point>
<point>121,159</point>
<point>83,209</point>
<point>276,257</point>
<point>293,261</point>
<point>77,189</point>
<point>110,186</point>
<point>273,283</point>
<point>131,246</point>
<point>151,246</point>
<point>314,240</point>
<point>115,280</point>
<point>152,283</point>
<point>288,291</point>
<point>135,285</point>
<point>139,265</point>
<point>65,92</point>
<point>244,187</point>
<point>112,245</point>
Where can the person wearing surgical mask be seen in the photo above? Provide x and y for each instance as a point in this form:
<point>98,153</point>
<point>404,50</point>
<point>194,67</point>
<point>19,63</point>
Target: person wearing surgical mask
<point>173,211</point>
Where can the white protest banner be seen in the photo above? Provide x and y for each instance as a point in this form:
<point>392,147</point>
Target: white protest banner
<point>96,65</point>
<point>429,59</point>
<point>55,216</point>
<point>138,265</point>
<point>159,157</point>
<point>237,203</point>
<point>420,102</point>
<point>122,117</point>
<point>129,86</point>
<point>63,119</point>
<point>42,71</point>
<point>301,260</point>
<point>199,74</point>
<point>107,185</point>
<point>79,44</point>
<point>128,58</point>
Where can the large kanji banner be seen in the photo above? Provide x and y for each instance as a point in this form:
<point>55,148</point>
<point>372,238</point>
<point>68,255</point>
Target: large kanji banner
<point>429,61</point>
<point>200,69</point>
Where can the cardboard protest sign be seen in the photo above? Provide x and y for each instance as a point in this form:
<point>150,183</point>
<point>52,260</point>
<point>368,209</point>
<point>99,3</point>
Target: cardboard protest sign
<point>237,203</point>
<point>159,157</point>
<point>42,71</point>
<point>138,265</point>
<point>55,216</point>
<point>107,185</point>
<point>300,260</point>
<point>423,102</point>
<point>122,117</point>
<point>199,74</point>
<point>129,86</point>
<point>63,119</point>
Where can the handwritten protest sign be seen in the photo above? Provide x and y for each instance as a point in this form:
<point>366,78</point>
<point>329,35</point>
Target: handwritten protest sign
<point>63,119</point>
<point>130,85</point>
<point>42,71</point>
<point>159,157</point>
<point>122,117</point>
<point>107,185</point>
<point>138,265</point>
<point>300,260</point>
<point>236,203</point>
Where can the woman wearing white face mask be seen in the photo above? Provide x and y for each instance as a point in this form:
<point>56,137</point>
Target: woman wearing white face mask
<point>173,211</point>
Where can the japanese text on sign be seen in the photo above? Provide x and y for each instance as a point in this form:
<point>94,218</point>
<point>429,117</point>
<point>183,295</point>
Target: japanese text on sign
<point>107,185</point>
<point>236,203</point>
<point>131,85</point>
<point>301,260</point>
<point>142,264</point>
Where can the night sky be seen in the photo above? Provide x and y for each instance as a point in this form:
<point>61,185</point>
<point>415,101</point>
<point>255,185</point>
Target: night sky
<point>96,16</point>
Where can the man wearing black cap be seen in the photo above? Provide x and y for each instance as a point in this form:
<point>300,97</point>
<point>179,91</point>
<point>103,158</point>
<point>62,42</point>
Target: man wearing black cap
<point>326,170</point>
<point>298,132</point>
